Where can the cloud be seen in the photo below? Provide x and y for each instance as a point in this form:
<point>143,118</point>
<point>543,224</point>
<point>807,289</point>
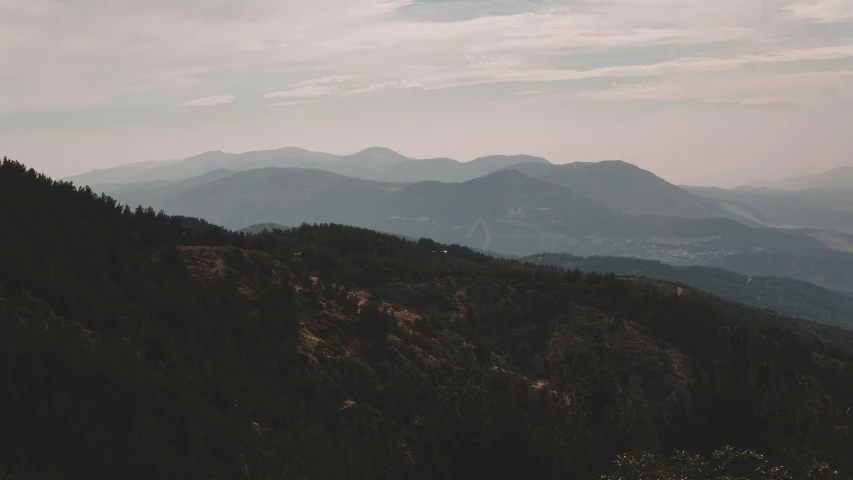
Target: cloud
<point>752,101</point>
<point>530,92</point>
<point>477,70</point>
<point>808,89</point>
<point>328,79</point>
<point>359,89</point>
<point>289,104</point>
<point>306,91</point>
<point>314,87</point>
<point>93,52</point>
<point>443,77</point>
<point>208,101</point>
<point>822,11</point>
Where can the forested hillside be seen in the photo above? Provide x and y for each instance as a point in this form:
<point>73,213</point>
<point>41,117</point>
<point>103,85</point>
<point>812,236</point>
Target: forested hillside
<point>784,295</point>
<point>139,345</point>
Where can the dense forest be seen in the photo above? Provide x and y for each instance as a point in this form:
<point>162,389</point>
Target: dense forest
<point>135,344</point>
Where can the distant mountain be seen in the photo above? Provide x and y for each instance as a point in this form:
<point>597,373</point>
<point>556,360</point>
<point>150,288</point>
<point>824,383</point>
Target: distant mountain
<point>825,267</point>
<point>374,163</point>
<point>376,158</point>
<point>814,208</point>
<point>448,170</point>
<point>502,211</point>
<point>836,179</point>
<point>784,295</point>
<point>615,184</point>
<point>367,163</point>
<point>506,212</point>
<point>505,201</point>
<point>288,196</point>
<point>155,191</point>
<point>129,173</point>
<point>202,164</point>
<point>628,188</point>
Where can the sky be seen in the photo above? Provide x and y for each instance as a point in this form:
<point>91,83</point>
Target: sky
<point>722,92</point>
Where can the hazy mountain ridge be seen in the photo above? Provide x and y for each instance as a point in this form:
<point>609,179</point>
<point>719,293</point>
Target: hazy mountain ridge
<point>361,163</point>
<point>505,212</point>
<point>628,188</point>
<point>813,208</point>
<point>840,178</point>
<point>448,170</point>
<point>198,165</point>
<point>373,163</point>
<point>614,184</point>
<point>505,200</point>
<point>287,196</point>
<point>605,208</point>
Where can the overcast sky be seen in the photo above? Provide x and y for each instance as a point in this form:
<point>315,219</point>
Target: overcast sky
<point>699,91</point>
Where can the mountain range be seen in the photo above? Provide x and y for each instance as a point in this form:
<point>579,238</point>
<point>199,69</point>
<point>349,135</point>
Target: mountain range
<point>607,208</point>
<point>139,345</point>
<point>374,163</point>
<point>615,184</point>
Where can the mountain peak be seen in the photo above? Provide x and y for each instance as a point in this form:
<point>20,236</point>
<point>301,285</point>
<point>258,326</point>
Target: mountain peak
<point>619,163</point>
<point>207,154</point>
<point>507,177</point>
<point>382,152</point>
<point>376,158</point>
<point>507,160</point>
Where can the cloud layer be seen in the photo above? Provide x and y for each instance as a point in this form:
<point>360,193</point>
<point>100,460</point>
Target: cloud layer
<point>208,101</point>
<point>58,54</point>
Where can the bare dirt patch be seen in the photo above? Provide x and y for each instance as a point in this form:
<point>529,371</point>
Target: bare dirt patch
<point>254,272</point>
